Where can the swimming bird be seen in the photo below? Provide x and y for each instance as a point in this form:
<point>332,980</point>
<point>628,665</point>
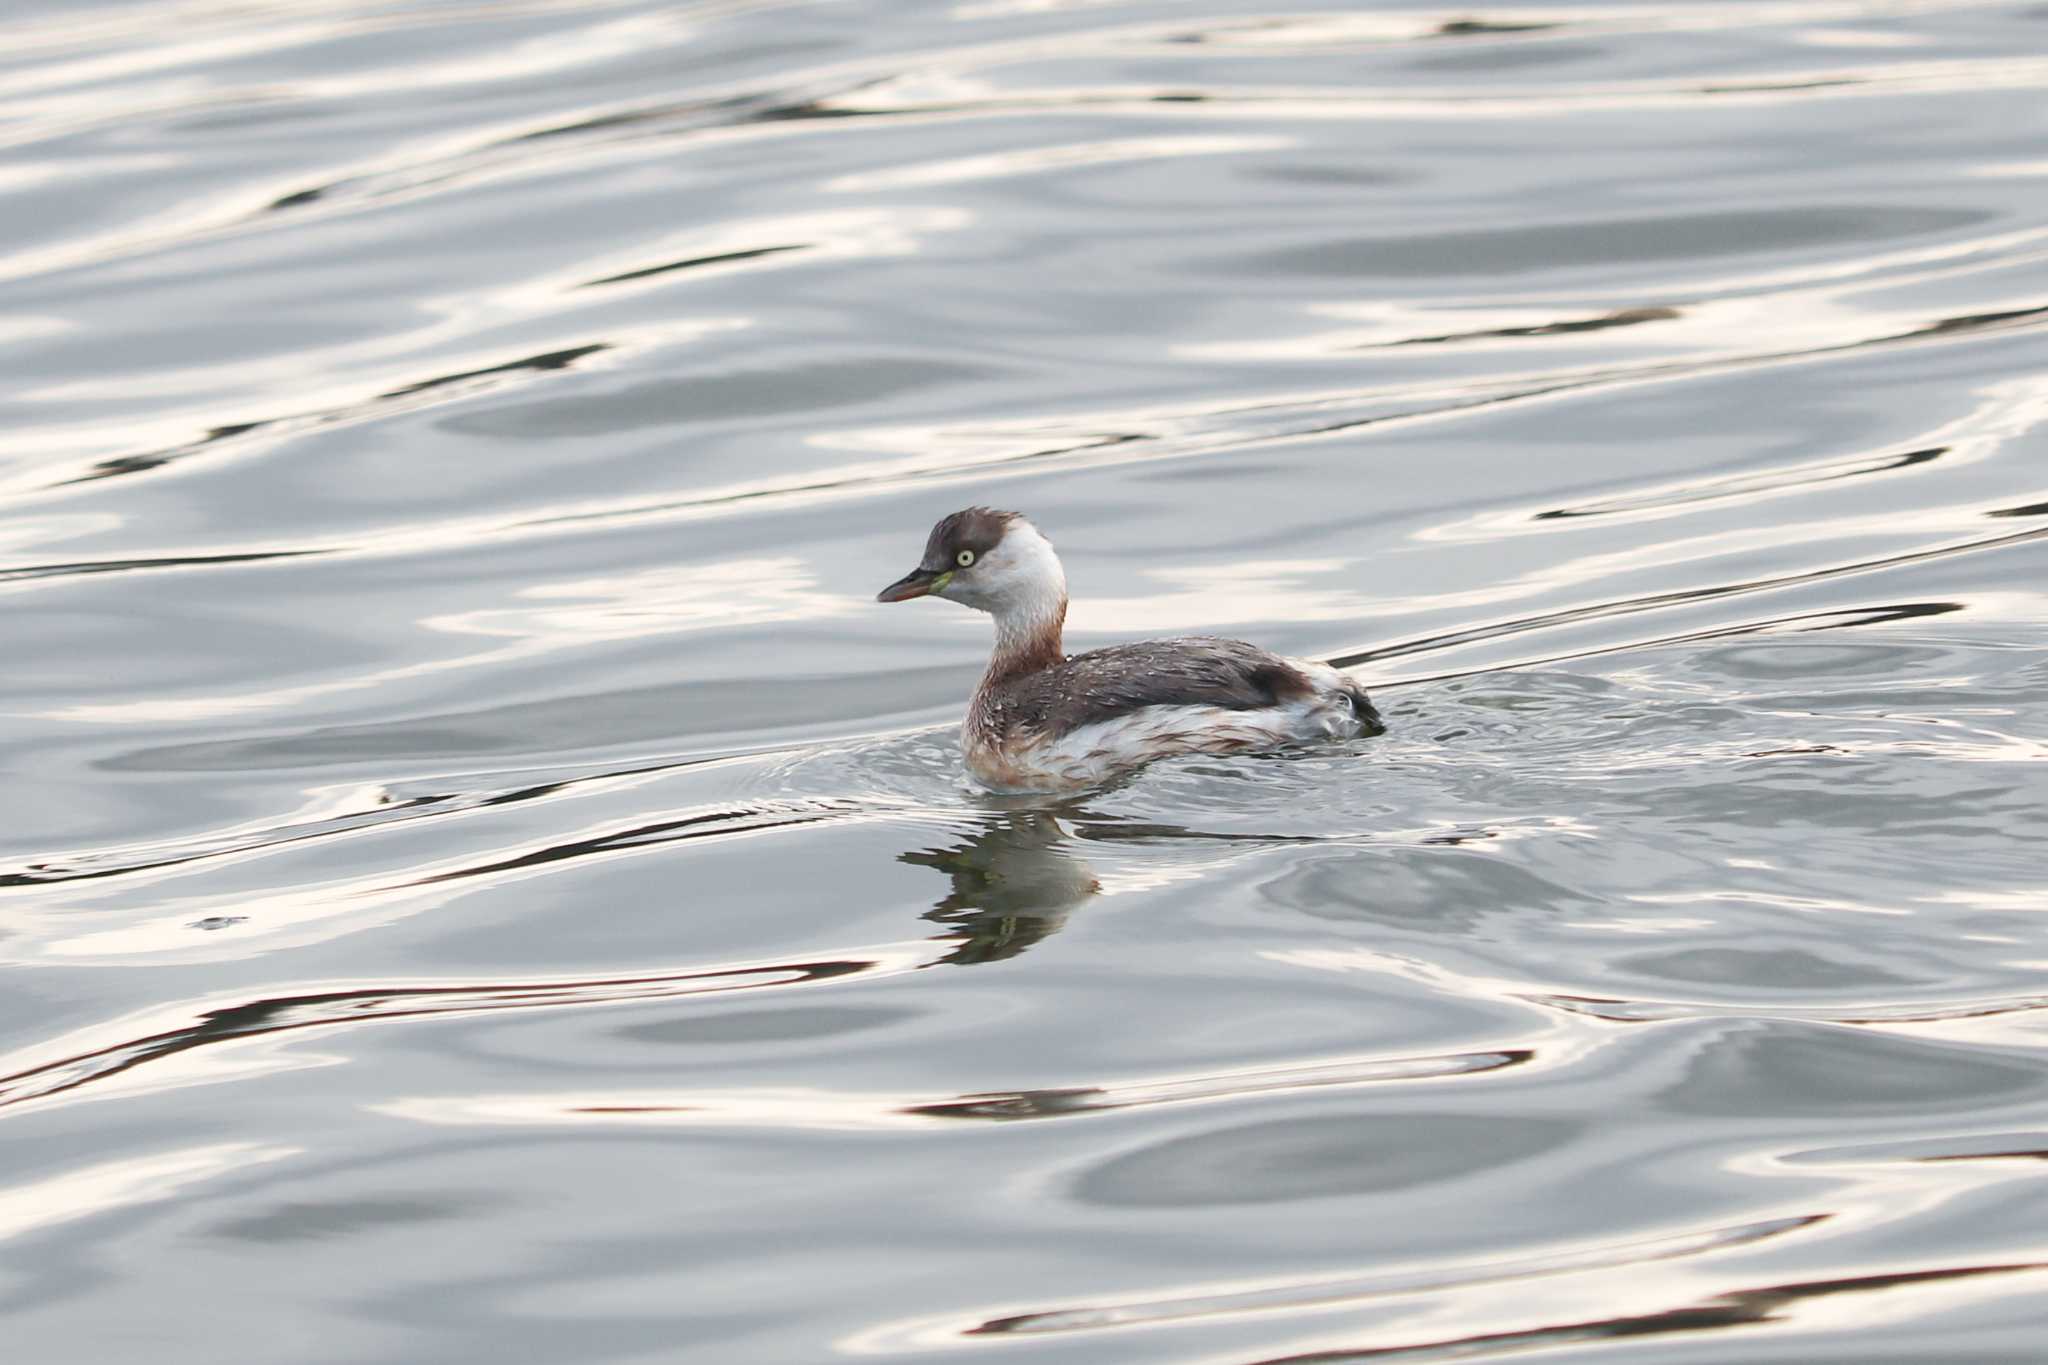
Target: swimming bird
<point>1044,720</point>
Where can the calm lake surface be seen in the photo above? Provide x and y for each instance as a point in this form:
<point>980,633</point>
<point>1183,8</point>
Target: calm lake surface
<point>482,881</point>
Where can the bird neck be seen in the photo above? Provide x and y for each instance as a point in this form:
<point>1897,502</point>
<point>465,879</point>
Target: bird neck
<point>1028,636</point>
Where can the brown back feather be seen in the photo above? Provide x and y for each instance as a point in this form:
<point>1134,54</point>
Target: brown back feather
<point>1104,684</point>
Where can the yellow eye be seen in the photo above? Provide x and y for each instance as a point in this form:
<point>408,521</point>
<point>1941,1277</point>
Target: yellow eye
<point>964,558</point>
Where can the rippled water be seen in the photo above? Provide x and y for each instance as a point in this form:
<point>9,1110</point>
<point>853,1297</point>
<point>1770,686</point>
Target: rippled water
<point>480,880</point>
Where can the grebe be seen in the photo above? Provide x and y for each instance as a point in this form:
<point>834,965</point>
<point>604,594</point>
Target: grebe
<point>1043,720</point>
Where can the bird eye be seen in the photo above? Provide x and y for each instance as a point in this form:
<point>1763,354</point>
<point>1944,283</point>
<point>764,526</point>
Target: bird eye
<point>964,558</point>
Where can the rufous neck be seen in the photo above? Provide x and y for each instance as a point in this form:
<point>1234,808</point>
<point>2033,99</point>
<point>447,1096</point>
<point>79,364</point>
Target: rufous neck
<point>1028,638</point>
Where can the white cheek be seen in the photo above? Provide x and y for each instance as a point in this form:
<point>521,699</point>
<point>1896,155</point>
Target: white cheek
<point>999,576</point>
<point>1021,569</point>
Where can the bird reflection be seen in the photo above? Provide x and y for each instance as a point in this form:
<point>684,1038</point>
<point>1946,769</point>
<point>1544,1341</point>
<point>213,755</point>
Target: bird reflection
<point>1015,879</point>
<point>1019,874</point>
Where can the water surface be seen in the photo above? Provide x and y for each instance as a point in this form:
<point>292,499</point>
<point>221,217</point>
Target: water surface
<point>480,879</point>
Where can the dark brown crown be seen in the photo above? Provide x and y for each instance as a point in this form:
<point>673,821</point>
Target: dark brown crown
<point>975,528</point>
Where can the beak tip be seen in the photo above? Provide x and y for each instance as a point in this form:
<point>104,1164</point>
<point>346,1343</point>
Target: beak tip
<point>903,590</point>
<point>916,583</point>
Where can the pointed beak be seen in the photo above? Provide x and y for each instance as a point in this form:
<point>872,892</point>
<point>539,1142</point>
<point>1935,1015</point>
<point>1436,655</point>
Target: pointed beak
<point>916,583</point>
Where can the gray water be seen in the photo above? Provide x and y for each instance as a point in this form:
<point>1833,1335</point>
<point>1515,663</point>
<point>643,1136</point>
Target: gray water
<point>481,880</point>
